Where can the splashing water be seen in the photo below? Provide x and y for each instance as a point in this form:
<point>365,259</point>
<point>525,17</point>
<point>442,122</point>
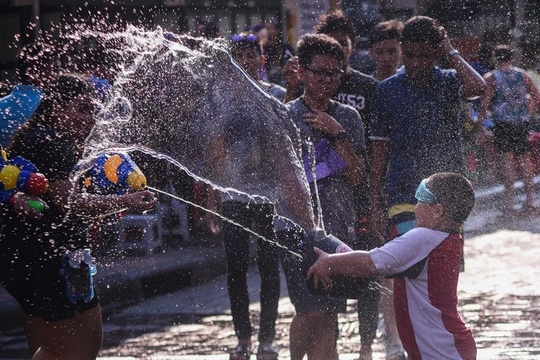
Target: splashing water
<point>187,102</point>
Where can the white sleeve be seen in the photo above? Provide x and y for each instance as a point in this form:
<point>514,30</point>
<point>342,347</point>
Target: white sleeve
<point>403,252</point>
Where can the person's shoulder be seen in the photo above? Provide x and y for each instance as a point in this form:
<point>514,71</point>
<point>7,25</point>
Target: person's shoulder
<point>277,91</point>
<point>394,82</point>
<point>345,109</point>
<point>293,103</point>
<point>363,78</point>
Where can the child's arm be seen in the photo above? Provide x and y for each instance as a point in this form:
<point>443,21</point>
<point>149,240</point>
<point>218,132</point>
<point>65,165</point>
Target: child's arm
<point>354,263</point>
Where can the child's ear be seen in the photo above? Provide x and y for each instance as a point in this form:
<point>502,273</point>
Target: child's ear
<point>440,210</point>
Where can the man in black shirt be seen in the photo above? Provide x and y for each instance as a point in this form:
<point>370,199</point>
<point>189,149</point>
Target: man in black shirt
<point>355,89</point>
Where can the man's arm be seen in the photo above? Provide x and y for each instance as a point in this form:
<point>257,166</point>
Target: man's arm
<point>472,82</point>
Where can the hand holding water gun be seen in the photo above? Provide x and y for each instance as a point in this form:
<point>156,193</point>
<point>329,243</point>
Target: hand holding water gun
<point>17,176</point>
<point>114,173</point>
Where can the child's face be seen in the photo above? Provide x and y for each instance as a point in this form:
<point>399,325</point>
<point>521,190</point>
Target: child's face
<point>321,77</point>
<point>425,214</point>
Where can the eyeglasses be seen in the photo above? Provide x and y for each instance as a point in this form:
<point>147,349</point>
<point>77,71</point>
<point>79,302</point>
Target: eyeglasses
<point>423,194</point>
<point>321,75</point>
<point>249,37</point>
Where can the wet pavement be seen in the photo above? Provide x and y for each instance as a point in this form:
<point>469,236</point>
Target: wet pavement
<point>499,299</point>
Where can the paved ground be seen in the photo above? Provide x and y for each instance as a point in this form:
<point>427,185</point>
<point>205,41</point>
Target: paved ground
<point>499,298</point>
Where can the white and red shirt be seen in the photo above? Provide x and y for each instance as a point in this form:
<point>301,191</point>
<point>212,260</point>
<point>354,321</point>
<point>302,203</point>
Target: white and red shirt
<point>425,264</point>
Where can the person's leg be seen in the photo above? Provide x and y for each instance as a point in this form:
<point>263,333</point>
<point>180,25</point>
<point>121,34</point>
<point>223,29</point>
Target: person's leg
<point>268,262</point>
<point>528,175</point>
<point>368,317</point>
<point>313,328</point>
<point>78,338</point>
<point>368,300</point>
<point>236,241</point>
<point>509,178</point>
<point>313,334</point>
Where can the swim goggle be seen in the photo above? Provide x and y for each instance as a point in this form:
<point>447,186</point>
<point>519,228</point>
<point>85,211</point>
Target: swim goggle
<point>423,194</point>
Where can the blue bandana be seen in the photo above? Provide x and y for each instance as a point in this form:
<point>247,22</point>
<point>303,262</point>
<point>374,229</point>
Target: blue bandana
<point>423,194</point>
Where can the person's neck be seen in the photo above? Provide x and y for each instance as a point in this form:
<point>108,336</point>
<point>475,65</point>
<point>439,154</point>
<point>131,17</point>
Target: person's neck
<point>446,226</point>
<point>380,75</point>
<point>315,103</point>
<point>504,66</point>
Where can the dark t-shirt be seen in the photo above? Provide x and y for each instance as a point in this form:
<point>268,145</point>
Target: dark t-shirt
<point>31,250</point>
<point>55,156</point>
<point>356,90</point>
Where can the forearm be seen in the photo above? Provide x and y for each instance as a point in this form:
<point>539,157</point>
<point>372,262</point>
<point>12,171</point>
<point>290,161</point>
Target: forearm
<point>356,263</point>
<point>379,165</point>
<point>67,198</point>
<point>356,168</point>
<point>472,82</point>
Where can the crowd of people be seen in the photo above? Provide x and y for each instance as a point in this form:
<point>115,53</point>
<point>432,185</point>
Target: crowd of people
<point>383,157</point>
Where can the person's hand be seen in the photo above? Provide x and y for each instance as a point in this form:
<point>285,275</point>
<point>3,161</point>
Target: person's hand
<point>212,223</point>
<point>290,73</point>
<point>27,206</point>
<point>322,121</point>
<point>319,271</point>
<point>446,46</point>
<point>140,201</point>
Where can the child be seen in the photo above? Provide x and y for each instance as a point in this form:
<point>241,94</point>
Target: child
<point>425,263</point>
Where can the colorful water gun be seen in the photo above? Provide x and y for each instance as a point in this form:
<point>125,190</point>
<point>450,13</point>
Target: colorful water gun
<point>114,173</point>
<point>20,175</point>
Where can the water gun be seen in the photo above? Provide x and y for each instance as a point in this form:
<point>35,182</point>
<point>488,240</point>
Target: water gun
<point>20,175</point>
<point>114,173</point>
<point>78,269</point>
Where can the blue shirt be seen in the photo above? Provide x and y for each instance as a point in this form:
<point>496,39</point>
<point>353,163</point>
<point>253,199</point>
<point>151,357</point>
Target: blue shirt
<point>509,103</point>
<point>16,108</point>
<point>424,129</point>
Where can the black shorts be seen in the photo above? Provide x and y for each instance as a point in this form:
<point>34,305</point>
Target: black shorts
<point>40,290</point>
<point>511,138</point>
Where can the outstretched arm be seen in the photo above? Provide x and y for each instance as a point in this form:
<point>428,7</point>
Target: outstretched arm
<point>354,263</point>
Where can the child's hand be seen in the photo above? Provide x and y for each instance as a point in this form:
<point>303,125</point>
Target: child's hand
<point>320,270</point>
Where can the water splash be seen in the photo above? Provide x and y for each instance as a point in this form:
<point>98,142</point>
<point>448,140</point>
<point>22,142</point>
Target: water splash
<point>186,101</point>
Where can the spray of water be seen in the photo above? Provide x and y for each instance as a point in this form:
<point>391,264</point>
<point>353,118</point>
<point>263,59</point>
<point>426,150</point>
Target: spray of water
<point>184,100</point>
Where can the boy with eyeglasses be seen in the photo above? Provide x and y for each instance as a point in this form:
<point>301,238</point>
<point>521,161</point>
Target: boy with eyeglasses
<point>425,264</point>
<point>355,89</point>
<point>328,128</point>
